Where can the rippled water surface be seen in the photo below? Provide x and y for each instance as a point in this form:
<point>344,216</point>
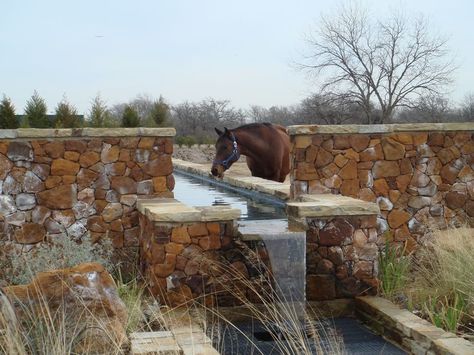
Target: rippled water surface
<point>195,192</point>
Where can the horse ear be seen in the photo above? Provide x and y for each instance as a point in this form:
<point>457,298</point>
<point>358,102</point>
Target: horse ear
<point>219,132</point>
<point>226,131</point>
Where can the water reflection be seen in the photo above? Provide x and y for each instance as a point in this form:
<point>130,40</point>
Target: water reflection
<point>196,192</point>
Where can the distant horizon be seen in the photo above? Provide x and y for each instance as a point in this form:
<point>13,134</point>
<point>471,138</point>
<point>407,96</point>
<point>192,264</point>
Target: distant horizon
<point>243,51</point>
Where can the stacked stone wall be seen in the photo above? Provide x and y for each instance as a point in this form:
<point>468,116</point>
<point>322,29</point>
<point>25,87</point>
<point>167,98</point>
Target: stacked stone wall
<point>420,177</point>
<point>70,182</point>
<point>198,261</point>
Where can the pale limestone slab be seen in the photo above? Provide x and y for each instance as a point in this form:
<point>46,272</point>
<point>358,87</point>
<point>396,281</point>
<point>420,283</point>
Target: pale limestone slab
<point>327,205</point>
<point>455,346</point>
<point>218,213</point>
<point>37,133</point>
<point>379,128</point>
<point>148,343</point>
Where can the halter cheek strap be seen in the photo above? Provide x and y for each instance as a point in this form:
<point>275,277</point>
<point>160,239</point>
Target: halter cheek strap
<point>235,155</point>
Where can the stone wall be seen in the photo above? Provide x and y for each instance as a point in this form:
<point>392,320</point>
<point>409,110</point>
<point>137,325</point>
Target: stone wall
<point>69,182</point>
<point>419,175</point>
<point>189,254</point>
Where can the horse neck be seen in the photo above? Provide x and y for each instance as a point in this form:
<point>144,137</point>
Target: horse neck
<point>249,144</point>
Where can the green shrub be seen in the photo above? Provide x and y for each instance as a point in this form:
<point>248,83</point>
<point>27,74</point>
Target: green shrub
<point>188,141</point>
<point>35,112</point>
<point>130,117</point>
<point>8,119</point>
<point>58,253</point>
<point>66,115</point>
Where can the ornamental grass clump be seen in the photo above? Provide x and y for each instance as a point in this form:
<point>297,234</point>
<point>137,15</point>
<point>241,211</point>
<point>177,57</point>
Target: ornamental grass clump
<point>442,287</point>
<point>394,266</point>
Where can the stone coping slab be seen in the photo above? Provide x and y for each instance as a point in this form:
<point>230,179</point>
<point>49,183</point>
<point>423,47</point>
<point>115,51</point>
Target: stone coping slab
<point>415,334</point>
<point>328,205</point>
<point>38,133</point>
<point>273,188</point>
<point>379,128</point>
<point>170,210</point>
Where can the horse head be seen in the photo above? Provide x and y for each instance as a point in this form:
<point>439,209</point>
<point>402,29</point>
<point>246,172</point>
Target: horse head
<point>227,152</point>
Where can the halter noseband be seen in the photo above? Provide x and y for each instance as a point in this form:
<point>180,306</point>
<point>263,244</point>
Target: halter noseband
<point>235,154</point>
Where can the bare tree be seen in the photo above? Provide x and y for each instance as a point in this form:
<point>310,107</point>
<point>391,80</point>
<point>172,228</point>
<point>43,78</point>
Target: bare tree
<point>467,108</point>
<point>378,65</point>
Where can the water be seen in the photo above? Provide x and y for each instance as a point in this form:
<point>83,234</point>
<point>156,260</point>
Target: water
<point>196,192</point>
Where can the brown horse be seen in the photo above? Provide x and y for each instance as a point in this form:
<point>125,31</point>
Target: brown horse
<point>266,146</point>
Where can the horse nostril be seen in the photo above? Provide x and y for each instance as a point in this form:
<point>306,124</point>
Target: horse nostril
<point>214,171</point>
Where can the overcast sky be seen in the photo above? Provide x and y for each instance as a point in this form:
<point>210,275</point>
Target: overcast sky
<point>241,50</point>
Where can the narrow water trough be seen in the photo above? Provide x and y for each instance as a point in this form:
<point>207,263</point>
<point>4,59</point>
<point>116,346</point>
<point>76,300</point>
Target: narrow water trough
<point>263,220</point>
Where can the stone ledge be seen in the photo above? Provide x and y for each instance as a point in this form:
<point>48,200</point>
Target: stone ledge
<point>329,205</point>
<point>379,128</point>
<point>38,133</point>
<point>413,333</point>
<point>170,210</point>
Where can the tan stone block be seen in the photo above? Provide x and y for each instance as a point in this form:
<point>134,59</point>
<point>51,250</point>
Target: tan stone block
<point>340,160</point>
<point>146,143</point>
<point>213,228</point>
<point>396,218</point>
<point>100,205</point>
<point>64,167</point>
<point>54,149</point>
<point>404,138</point>
<point>75,145</point>
<point>372,153</point>
<point>174,248</point>
<point>316,187</point>
<point>197,230</point>
<point>124,155</point>
<point>310,154</point>
<point>72,156</point>
<point>402,182</point>
<point>30,233</point>
<point>381,187</point>
<point>52,181</point>
<point>163,270</point>
<point>351,154</point>
<point>366,194</point>
<point>334,182</point>
<point>394,195</point>
<point>159,184</point>
<point>110,153</point>
<point>405,166</point>
<point>3,147</point>
<point>123,185</point>
<point>68,179</point>
<point>324,158</point>
<point>384,168</point>
<point>161,166</point>
<point>359,142</point>
<point>60,197</point>
<point>419,138</point>
<point>341,142</point>
<point>330,170</point>
<point>349,171</point>
<point>211,242</point>
<point>302,141</point>
<point>89,158</point>
<point>180,235</point>
<point>350,188</point>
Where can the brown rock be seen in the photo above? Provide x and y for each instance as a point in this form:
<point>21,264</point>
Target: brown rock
<point>52,181</point>
<point>341,142</point>
<point>88,159</point>
<point>366,194</point>
<point>350,188</point>
<point>197,230</point>
<point>213,228</point>
<point>101,312</point>
<point>406,167</point>
<point>359,142</point>
<point>170,182</point>
<point>174,248</point>
<point>335,232</point>
<point>64,167</point>
<point>110,153</point>
<point>330,170</point>
<point>334,182</point>
<point>60,197</point>
<point>404,138</point>
<point>325,266</point>
<point>124,185</point>
<point>54,149</point>
<point>466,174</point>
<point>455,200</point>
<point>68,179</point>
<point>436,138</point>
<point>75,145</point>
<point>86,178</point>
<point>310,154</point>
<point>5,166</point>
<point>469,208</point>
<point>372,153</point>
<point>324,158</point>
<point>402,182</point>
<point>381,187</point>
<point>392,150</point>
<point>384,168</point>
<point>96,224</point>
<point>449,174</point>
<point>30,233</point>
<point>3,147</point>
<point>340,160</point>
<point>434,166</point>
<point>397,217</point>
<point>419,138</point>
<point>112,211</point>
<point>180,235</point>
<point>72,156</point>
<point>349,171</point>
<point>363,270</point>
<point>160,166</point>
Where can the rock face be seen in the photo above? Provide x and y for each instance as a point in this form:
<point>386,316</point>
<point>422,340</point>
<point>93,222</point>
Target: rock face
<point>419,178</point>
<point>45,180</point>
<point>87,295</point>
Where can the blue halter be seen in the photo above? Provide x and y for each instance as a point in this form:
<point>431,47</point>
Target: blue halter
<point>235,154</point>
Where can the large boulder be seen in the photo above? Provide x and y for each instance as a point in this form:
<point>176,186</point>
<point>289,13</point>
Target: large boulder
<point>87,297</point>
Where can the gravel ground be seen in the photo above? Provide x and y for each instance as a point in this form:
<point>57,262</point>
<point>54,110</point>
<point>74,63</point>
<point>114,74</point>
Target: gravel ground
<point>201,154</point>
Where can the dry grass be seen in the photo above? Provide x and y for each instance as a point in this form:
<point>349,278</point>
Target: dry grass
<point>443,283</point>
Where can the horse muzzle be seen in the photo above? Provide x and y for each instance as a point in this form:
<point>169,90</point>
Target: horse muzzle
<point>217,170</point>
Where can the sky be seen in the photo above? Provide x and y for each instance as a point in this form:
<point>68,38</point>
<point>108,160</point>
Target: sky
<point>239,50</point>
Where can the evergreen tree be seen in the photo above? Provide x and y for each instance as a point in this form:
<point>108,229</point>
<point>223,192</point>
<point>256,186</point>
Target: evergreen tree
<point>130,117</point>
<point>35,112</point>
<point>99,115</point>
<point>8,119</point>
<point>160,112</point>
<point>66,115</point>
